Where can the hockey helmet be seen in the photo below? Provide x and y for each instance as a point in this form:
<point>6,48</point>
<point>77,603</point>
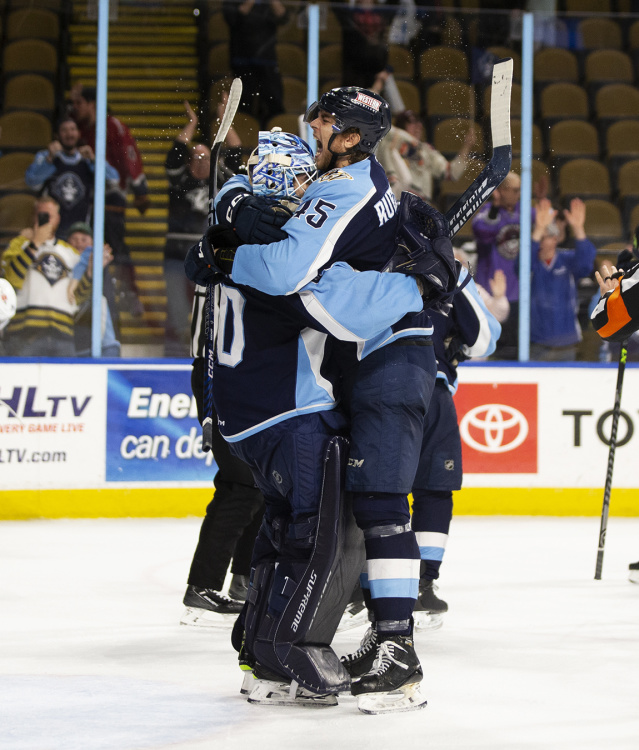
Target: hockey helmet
<point>354,107</point>
<point>281,163</point>
<point>7,302</point>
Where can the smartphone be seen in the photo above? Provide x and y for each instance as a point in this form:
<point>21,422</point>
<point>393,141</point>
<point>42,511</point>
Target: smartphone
<point>43,218</point>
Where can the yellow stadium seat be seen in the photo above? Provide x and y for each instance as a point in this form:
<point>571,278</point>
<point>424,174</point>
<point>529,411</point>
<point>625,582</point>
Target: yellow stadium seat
<point>32,23</point>
<point>12,169</point>
<point>16,213</point>
<point>24,131</point>
<point>584,178</point>
<point>29,91</point>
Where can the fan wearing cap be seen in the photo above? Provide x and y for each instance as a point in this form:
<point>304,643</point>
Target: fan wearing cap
<point>81,238</point>
<point>554,327</point>
<point>413,164</point>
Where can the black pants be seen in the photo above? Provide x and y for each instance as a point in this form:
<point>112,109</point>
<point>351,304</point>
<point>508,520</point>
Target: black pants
<point>234,515</point>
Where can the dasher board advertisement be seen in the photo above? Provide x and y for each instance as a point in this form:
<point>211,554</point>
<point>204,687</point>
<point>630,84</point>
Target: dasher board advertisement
<point>79,425</point>
<point>536,426</point>
<point>74,425</point>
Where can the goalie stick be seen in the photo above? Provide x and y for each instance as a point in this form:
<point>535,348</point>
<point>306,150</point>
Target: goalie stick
<point>499,165</point>
<point>611,461</point>
<point>232,104</point>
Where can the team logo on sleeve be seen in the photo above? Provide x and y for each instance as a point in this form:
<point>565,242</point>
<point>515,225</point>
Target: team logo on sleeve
<point>335,174</point>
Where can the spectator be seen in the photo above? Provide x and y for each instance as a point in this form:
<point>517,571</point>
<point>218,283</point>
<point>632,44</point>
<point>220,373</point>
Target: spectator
<point>122,152</point>
<point>365,25</point>
<point>496,232</point>
<point>39,268</point>
<point>412,164</point>
<point>253,35</point>
<point>187,167</point>
<point>495,300</point>
<point>65,171</point>
<point>81,238</point>
<point>554,328</point>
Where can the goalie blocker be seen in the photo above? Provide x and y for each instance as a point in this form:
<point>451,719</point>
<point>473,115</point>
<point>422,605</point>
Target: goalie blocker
<point>294,606</point>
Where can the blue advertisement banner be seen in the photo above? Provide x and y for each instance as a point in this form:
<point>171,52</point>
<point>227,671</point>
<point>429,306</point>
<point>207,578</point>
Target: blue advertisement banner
<point>152,429</point>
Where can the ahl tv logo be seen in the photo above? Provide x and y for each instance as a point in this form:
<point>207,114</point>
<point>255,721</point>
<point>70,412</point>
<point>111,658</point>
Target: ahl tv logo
<point>498,427</point>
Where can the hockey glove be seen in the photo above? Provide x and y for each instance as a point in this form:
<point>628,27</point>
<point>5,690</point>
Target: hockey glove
<point>200,264</point>
<point>423,248</point>
<point>455,350</point>
<point>255,220</point>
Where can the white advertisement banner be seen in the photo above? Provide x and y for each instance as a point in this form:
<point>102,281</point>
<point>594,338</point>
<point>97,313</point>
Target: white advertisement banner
<point>103,426</point>
<point>535,426</point>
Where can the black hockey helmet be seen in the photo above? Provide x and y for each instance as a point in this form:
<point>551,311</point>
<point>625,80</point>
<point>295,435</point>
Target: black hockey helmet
<point>354,107</point>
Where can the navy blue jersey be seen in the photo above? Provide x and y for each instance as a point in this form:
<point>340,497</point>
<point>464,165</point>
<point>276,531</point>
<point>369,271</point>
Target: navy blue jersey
<point>269,365</point>
<point>471,323</point>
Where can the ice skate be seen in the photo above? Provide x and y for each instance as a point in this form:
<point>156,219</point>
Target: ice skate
<point>360,662</point>
<point>356,614</point>
<point>633,572</point>
<point>207,608</point>
<point>238,588</point>
<point>269,689</point>
<point>429,608</point>
<point>392,685</point>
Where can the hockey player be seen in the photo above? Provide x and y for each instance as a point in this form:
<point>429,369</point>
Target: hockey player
<point>463,329</point>
<point>349,213</point>
<point>616,316</point>
<point>255,436</point>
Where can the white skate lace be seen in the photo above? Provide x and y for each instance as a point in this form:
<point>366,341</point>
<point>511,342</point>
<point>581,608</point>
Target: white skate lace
<point>369,641</point>
<point>385,658</point>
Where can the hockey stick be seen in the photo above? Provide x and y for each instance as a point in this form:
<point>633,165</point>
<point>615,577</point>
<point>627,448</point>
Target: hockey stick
<point>498,167</point>
<point>232,104</point>
<point>611,461</point>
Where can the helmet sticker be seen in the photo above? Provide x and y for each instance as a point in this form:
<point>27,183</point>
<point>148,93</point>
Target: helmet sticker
<point>367,101</point>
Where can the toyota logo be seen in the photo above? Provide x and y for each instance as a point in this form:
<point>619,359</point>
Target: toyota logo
<point>500,428</point>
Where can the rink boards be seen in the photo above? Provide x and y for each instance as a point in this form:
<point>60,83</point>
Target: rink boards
<point>122,439</point>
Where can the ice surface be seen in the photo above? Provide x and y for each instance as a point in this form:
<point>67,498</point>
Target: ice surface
<point>533,653</point>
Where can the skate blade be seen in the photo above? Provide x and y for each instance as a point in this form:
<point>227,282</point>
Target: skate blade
<point>350,622</point>
<point>427,621</point>
<point>204,618</point>
<point>406,698</point>
<point>633,576</point>
<point>271,693</point>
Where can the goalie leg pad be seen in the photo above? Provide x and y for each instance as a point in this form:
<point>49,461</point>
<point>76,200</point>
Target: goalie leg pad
<point>294,611</point>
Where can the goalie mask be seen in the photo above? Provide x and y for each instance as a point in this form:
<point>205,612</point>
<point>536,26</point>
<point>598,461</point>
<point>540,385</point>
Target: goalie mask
<point>281,165</point>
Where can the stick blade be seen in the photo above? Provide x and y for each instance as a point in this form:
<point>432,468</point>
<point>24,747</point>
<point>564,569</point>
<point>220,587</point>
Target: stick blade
<point>500,103</point>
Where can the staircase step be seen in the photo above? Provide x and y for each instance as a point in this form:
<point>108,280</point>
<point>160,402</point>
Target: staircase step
<point>147,227</point>
<point>158,199</point>
<point>159,97</point>
<point>142,50</point>
<point>149,119</point>
<point>146,257</point>
<point>132,214</point>
<point>129,30</point>
<point>132,109</point>
<point>151,285</point>
<point>139,74</point>
<point>119,61</point>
